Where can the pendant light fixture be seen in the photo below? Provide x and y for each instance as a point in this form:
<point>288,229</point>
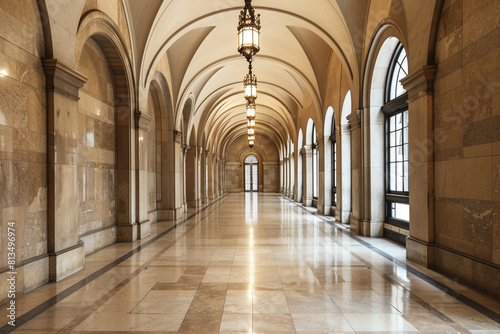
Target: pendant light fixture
<point>248,46</point>
<point>248,31</point>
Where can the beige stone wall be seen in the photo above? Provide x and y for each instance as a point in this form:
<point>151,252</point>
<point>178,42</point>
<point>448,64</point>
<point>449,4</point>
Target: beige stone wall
<point>23,140</point>
<point>96,158</point>
<point>467,142</point>
<point>269,179</point>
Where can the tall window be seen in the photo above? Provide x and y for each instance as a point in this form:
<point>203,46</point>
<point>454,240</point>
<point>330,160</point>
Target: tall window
<point>315,162</point>
<point>395,110</point>
<point>333,139</point>
<point>251,164</point>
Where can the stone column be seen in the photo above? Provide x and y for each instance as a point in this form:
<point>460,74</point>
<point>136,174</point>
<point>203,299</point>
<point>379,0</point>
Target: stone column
<point>420,243</point>
<point>285,180</point>
<point>210,185</point>
<point>343,209</point>
<point>185,149</point>
<point>216,178</point>
<point>282,178</point>
<point>322,206</point>
<point>175,183</point>
<point>298,173</point>
<point>326,157</point>
<point>222,176</point>
<point>141,177</point>
<point>66,254</point>
<point>356,219</point>
<point>307,196</point>
<point>199,172</point>
<point>192,177</point>
<point>204,174</point>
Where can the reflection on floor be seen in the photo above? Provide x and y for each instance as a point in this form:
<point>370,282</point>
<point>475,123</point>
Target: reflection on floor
<point>251,263</point>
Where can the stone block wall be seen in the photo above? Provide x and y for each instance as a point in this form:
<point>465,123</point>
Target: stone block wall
<point>23,144</point>
<point>467,143</point>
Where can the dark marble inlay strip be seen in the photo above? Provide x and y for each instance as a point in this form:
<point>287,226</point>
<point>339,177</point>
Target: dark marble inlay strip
<point>21,320</point>
<point>453,293</point>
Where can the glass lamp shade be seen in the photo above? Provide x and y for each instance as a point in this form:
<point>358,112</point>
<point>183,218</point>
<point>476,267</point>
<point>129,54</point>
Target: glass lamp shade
<point>250,84</point>
<point>251,123</point>
<point>251,137</point>
<point>250,110</point>
<point>251,131</point>
<point>251,143</point>
<point>248,31</point>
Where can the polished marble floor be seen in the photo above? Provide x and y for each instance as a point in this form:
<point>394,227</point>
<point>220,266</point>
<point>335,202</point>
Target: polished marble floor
<point>252,263</point>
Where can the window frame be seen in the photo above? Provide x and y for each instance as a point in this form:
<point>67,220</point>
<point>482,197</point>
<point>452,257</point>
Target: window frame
<point>397,105</point>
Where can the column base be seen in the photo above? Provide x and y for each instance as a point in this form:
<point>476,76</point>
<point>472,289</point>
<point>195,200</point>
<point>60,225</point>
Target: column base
<point>126,233</point>
<point>342,216</point>
<point>144,229</point>
<point>420,252</point>
<point>66,262</point>
<point>366,228</point>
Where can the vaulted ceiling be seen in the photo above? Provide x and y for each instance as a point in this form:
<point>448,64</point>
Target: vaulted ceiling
<point>298,39</point>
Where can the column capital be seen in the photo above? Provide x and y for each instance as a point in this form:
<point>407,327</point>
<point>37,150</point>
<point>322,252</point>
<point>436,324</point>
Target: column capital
<point>354,119</point>
<point>141,120</point>
<point>178,136</point>
<point>62,79</point>
<point>420,83</point>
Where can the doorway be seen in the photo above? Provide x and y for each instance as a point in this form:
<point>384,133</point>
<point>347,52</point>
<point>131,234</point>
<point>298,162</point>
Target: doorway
<point>251,164</point>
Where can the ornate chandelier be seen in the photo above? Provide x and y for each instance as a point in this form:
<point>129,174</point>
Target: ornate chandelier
<point>248,46</point>
<point>248,31</point>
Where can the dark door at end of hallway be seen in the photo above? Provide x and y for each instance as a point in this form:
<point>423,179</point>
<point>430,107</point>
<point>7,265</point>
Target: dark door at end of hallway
<point>251,173</point>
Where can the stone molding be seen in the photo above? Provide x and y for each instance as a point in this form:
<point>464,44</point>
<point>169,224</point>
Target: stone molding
<point>354,119</point>
<point>62,79</point>
<point>420,83</point>
<point>177,136</point>
<point>141,120</point>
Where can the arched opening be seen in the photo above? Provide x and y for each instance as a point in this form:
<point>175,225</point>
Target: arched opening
<point>343,207</point>
<point>251,173</point>
<point>300,185</point>
<point>330,161</point>
<point>311,151</point>
<point>390,182</point>
<point>105,200</point>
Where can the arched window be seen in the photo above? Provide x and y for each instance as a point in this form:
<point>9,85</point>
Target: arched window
<point>333,139</point>
<point>395,110</point>
<point>315,163</point>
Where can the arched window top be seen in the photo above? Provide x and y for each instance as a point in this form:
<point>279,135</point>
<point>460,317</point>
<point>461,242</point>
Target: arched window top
<point>333,125</point>
<point>314,135</point>
<point>251,159</point>
<point>398,69</point>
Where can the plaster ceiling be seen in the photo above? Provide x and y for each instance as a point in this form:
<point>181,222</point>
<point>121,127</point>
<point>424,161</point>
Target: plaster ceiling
<point>298,38</point>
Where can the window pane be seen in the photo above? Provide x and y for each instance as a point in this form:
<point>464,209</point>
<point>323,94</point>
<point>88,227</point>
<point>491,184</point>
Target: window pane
<point>399,121</point>
<point>406,188</point>
<point>255,179</point>
<point>400,211</point>
<point>247,178</point>
<point>392,174</point>
<point>392,156</point>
